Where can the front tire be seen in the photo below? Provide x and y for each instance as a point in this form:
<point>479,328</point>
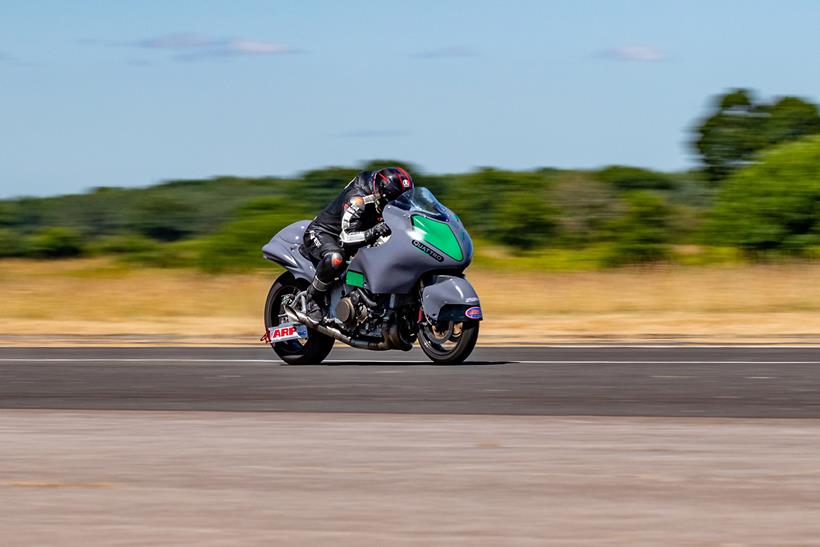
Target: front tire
<point>449,342</point>
<point>310,351</point>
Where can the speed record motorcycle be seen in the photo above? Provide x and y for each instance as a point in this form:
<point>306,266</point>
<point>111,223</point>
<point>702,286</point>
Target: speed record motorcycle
<point>406,287</point>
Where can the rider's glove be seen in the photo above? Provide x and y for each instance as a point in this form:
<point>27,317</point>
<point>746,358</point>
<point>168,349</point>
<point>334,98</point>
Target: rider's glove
<point>376,232</point>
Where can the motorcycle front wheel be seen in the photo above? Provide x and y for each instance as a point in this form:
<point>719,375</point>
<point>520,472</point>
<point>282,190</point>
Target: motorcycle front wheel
<point>448,342</point>
<point>303,351</point>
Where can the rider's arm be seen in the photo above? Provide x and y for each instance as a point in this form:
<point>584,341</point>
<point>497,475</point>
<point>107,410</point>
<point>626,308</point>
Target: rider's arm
<point>353,233</point>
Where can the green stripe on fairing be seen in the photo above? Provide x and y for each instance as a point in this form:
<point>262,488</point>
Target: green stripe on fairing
<point>439,235</point>
<point>354,279</point>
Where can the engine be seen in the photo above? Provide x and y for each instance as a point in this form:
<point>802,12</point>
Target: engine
<point>351,310</point>
<point>357,313</point>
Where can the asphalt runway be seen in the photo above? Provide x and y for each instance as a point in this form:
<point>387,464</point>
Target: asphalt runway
<point>521,446</point>
<point>750,382</point>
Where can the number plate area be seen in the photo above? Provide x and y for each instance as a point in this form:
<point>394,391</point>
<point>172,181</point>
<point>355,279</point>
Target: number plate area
<point>287,331</point>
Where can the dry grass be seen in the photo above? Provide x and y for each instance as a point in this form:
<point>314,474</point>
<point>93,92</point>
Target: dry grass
<point>99,298</point>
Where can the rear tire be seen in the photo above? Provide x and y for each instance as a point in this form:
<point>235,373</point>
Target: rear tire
<point>462,347</point>
<point>311,351</point>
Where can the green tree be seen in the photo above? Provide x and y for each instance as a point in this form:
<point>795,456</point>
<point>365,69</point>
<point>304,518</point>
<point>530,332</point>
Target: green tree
<point>54,242</point>
<point>774,204</point>
<point>524,219</point>
<point>316,188</point>
<point>585,208</point>
<point>739,127</point>
<point>642,233</point>
<point>788,119</point>
<point>238,243</point>
<point>163,217</point>
<point>438,184</point>
<point>626,178</point>
<point>508,207</point>
<point>8,213</point>
<point>11,243</point>
<point>25,214</point>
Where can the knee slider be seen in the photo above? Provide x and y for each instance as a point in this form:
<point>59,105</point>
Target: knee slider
<point>336,260</point>
<point>330,266</point>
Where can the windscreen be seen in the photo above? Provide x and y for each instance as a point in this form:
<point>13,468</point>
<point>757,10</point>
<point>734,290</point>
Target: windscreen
<point>422,200</point>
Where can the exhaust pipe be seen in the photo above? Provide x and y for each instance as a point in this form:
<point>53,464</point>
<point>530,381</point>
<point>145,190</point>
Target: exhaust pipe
<point>337,334</point>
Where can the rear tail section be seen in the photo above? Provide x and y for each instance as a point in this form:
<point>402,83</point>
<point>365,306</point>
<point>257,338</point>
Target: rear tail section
<point>283,248</point>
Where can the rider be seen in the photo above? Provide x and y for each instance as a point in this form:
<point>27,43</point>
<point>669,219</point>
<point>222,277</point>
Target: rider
<point>351,221</point>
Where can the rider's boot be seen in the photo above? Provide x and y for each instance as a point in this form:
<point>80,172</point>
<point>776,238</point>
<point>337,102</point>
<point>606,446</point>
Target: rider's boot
<point>315,300</point>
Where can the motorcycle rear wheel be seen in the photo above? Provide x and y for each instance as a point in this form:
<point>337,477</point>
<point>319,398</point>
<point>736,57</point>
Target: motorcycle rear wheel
<point>449,342</point>
<point>310,351</point>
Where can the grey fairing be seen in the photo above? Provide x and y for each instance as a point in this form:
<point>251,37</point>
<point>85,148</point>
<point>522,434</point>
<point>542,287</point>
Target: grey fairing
<point>448,291</point>
<point>283,249</point>
<point>395,266</point>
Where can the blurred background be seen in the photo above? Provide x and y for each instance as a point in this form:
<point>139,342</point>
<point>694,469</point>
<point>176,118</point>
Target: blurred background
<point>642,183</point>
<point>640,170</point>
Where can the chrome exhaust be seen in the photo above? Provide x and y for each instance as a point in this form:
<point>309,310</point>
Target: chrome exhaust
<point>299,317</point>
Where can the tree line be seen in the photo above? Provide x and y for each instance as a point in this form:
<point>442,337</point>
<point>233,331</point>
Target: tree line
<point>757,195</point>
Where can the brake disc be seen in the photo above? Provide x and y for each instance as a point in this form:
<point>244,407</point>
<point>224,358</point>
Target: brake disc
<point>439,337</point>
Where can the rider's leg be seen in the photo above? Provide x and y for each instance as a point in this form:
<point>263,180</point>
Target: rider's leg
<point>327,271</point>
<point>329,260</point>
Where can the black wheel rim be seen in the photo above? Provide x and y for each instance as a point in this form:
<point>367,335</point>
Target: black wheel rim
<point>443,337</point>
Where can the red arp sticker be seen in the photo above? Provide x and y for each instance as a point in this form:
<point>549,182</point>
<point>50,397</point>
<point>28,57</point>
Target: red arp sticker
<point>287,331</point>
<point>473,313</point>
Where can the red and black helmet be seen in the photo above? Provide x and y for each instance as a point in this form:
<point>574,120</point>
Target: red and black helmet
<point>391,182</point>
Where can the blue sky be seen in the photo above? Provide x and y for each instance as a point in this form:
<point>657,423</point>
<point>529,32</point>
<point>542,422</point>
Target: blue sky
<point>102,93</point>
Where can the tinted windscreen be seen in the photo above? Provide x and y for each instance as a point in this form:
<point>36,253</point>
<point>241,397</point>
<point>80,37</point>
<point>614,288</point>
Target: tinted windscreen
<point>422,200</point>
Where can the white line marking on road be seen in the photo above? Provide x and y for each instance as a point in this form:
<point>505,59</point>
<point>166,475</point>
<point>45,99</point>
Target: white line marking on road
<point>133,360</point>
<point>685,362</point>
<point>342,361</point>
<point>682,345</point>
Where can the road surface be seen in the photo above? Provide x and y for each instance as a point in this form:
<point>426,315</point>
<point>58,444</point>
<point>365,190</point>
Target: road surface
<point>521,446</point>
<point>609,381</point>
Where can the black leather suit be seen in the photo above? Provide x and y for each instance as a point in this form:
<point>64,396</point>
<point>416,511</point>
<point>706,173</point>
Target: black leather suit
<point>342,227</point>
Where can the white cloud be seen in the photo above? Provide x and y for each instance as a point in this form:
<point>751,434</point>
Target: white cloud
<point>195,47</point>
<point>255,47</point>
<point>633,52</point>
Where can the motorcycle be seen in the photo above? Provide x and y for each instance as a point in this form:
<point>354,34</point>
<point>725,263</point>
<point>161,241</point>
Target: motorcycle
<point>408,286</point>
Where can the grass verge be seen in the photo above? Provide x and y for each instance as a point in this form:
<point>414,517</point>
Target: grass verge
<point>102,300</point>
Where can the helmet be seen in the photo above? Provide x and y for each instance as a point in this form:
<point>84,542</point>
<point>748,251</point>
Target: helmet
<point>389,183</point>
